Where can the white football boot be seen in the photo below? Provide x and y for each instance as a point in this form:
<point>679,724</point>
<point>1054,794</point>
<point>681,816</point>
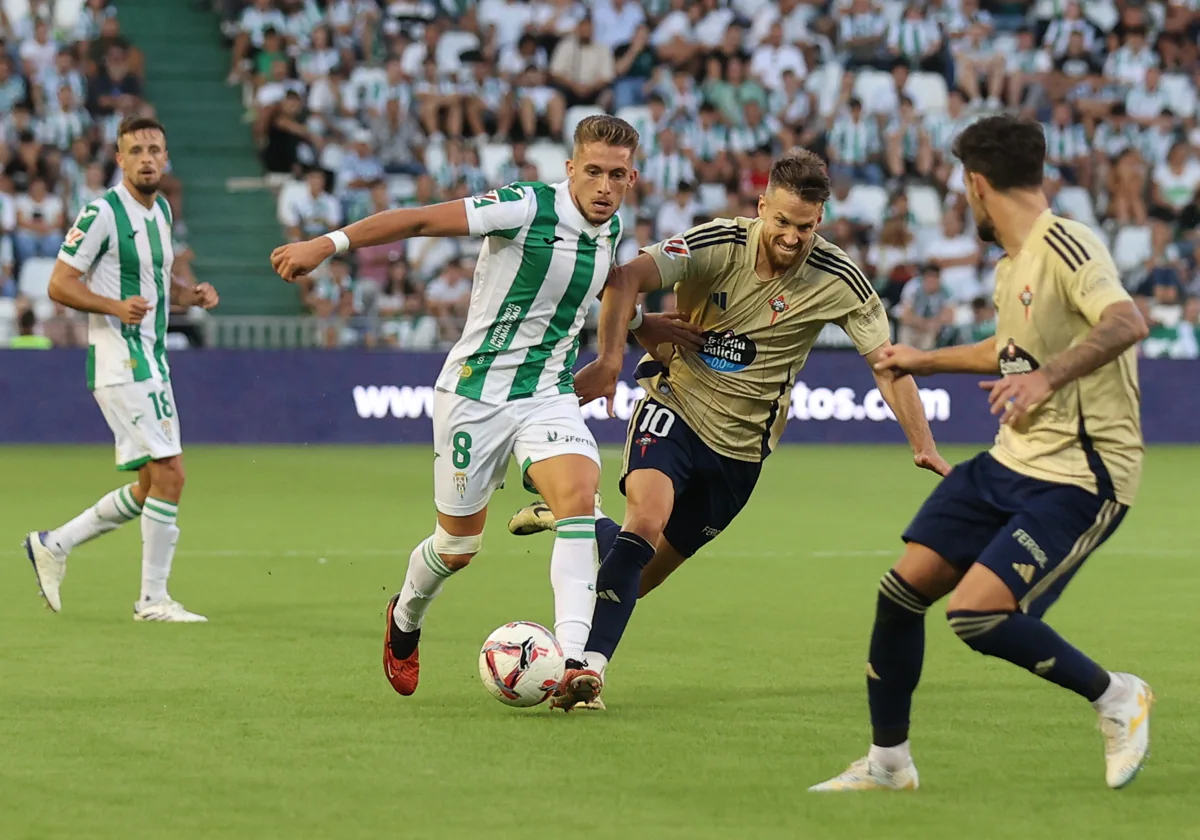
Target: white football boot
<point>1125,722</point>
<point>865,774</point>
<point>536,517</point>
<point>165,609</point>
<point>48,566</point>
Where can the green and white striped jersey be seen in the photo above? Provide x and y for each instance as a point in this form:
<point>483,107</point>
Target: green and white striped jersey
<point>541,267</point>
<point>124,251</point>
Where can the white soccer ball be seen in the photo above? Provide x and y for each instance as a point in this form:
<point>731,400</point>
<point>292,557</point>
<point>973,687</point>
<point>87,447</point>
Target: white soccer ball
<point>521,663</point>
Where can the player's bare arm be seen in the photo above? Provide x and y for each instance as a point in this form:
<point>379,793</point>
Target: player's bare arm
<point>1120,327</point>
<point>202,295</point>
<point>900,392</point>
<point>968,358</point>
<point>67,287</point>
<point>446,219</point>
<point>624,284</point>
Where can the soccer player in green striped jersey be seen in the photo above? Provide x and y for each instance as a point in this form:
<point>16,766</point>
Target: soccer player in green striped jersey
<point>115,264</point>
<point>507,386</point>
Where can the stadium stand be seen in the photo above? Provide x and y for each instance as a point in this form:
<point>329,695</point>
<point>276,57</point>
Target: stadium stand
<point>333,109</point>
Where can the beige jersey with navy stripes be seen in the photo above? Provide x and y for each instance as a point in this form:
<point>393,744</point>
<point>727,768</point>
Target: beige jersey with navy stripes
<point>735,393</point>
<point>1048,297</point>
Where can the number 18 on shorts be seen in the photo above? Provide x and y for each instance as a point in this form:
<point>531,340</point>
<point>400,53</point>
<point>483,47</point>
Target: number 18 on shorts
<point>143,420</point>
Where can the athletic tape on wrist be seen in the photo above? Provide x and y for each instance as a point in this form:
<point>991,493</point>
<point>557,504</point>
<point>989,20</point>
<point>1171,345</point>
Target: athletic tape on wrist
<point>341,242</point>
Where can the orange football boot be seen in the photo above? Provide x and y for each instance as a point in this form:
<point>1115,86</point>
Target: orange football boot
<point>579,685</point>
<point>403,674</point>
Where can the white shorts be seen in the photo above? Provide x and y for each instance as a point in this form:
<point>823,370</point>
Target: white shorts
<point>472,442</point>
<point>143,421</point>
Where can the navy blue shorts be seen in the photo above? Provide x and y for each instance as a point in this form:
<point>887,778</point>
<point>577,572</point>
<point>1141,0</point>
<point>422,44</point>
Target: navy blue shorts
<point>710,489</point>
<point>1034,534</point>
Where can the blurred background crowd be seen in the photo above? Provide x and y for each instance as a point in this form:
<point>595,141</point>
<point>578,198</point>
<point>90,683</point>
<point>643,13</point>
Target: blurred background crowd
<point>357,106</point>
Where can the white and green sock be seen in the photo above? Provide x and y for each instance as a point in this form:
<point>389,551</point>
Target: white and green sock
<point>426,576</point>
<point>573,577</point>
<point>111,512</point>
<point>159,536</point>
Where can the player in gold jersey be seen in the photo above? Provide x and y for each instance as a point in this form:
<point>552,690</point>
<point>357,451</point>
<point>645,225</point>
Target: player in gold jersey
<point>761,290</point>
<point>1006,530</point>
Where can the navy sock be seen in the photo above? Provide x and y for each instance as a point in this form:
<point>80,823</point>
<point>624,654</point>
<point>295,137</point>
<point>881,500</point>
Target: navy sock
<point>897,654</point>
<point>1033,645</point>
<point>606,535</point>
<point>617,585</point>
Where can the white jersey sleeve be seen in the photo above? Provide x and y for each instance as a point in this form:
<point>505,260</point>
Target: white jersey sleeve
<point>89,237</point>
<point>503,212</point>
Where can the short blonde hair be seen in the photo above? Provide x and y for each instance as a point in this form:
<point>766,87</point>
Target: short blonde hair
<point>606,129</point>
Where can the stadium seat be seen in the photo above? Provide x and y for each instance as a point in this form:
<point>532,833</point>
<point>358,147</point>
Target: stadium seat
<point>17,10</point>
<point>869,196</point>
<point>550,160</point>
<point>493,157</point>
<point>713,198</point>
<point>576,115</point>
<point>1131,247</point>
<point>66,14</point>
<point>825,83</point>
<point>1076,202</point>
<point>924,204</point>
<point>401,187</point>
<point>35,277</point>
<point>8,319</point>
<point>454,43</point>
<point>635,115</point>
<point>289,193</point>
<point>868,83</point>
<point>928,91</point>
<point>43,308</point>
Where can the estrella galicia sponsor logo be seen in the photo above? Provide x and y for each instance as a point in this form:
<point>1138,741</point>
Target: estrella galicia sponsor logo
<point>1014,359</point>
<point>728,352</point>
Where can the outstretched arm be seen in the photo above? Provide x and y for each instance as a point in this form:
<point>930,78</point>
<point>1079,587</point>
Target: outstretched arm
<point>967,358</point>
<point>900,392</point>
<point>447,219</point>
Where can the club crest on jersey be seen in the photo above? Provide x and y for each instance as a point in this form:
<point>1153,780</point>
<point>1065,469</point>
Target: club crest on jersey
<point>778,307</point>
<point>1026,298</point>
<point>460,483</point>
<point>676,246</point>
<point>728,352</point>
<point>644,441</point>
<point>1014,359</point>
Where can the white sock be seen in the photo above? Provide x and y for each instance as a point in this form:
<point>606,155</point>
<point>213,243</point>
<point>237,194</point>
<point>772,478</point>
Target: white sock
<point>1116,692</point>
<point>573,565</point>
<point>426,576</point>
<point>598,662</point>
<point>111,512</point>
<point>159,535</point>
<point>891,758</point>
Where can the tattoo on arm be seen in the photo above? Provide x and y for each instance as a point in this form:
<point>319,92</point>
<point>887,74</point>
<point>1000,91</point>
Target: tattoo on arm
<point>1120,327</point>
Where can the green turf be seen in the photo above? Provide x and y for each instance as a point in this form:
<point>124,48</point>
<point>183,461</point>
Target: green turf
<point>740,684</point>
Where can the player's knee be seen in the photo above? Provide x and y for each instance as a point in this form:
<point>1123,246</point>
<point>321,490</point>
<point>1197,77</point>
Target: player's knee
<point>167,477</point>
<point>899,600</point>
<point>647,521</point>
<point>455,552</point>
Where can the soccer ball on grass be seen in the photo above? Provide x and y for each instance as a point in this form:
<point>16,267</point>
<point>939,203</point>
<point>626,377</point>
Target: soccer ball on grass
<point>521,663</point>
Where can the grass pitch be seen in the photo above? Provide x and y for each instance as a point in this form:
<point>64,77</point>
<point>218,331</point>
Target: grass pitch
<point>740,682</point>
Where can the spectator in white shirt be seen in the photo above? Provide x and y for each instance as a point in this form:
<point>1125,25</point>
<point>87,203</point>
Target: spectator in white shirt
<point>582,68</point>
<point>1174,182</point>
<point>617,22</point>
<point>255,21</point>
<point>39,223</point>
<point>791,14</point>
<point>716,23</point>
<point>534,95</point>
<point>863,35</point>
<point>1148,100</point>
<point>916,39</point>
<point>39,52</point>
<point>674,38</point>
<point>665,170</point>
<point>885,101</point>
<point>447,298</point>
<point>309,212</point>
<point>1026,67</point>
<point>957,255</point>
<point>1058,34</point>
<point>1129,63</point>
<point>679,213</point>
<point>976,60</point>
<point>772,58</point>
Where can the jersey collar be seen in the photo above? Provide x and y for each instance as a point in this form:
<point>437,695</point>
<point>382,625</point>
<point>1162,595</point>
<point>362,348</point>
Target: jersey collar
<point>569,213</point>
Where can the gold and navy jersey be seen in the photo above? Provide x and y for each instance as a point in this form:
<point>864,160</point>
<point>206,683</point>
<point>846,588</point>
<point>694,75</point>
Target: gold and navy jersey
<point>736,391</point>
<point>1047,299</point>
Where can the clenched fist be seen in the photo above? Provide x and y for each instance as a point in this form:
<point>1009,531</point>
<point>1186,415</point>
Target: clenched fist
<point>291,262</point>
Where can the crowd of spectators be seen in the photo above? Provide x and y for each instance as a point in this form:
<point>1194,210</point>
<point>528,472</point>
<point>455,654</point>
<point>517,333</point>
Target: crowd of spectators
<point>68,76</point>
